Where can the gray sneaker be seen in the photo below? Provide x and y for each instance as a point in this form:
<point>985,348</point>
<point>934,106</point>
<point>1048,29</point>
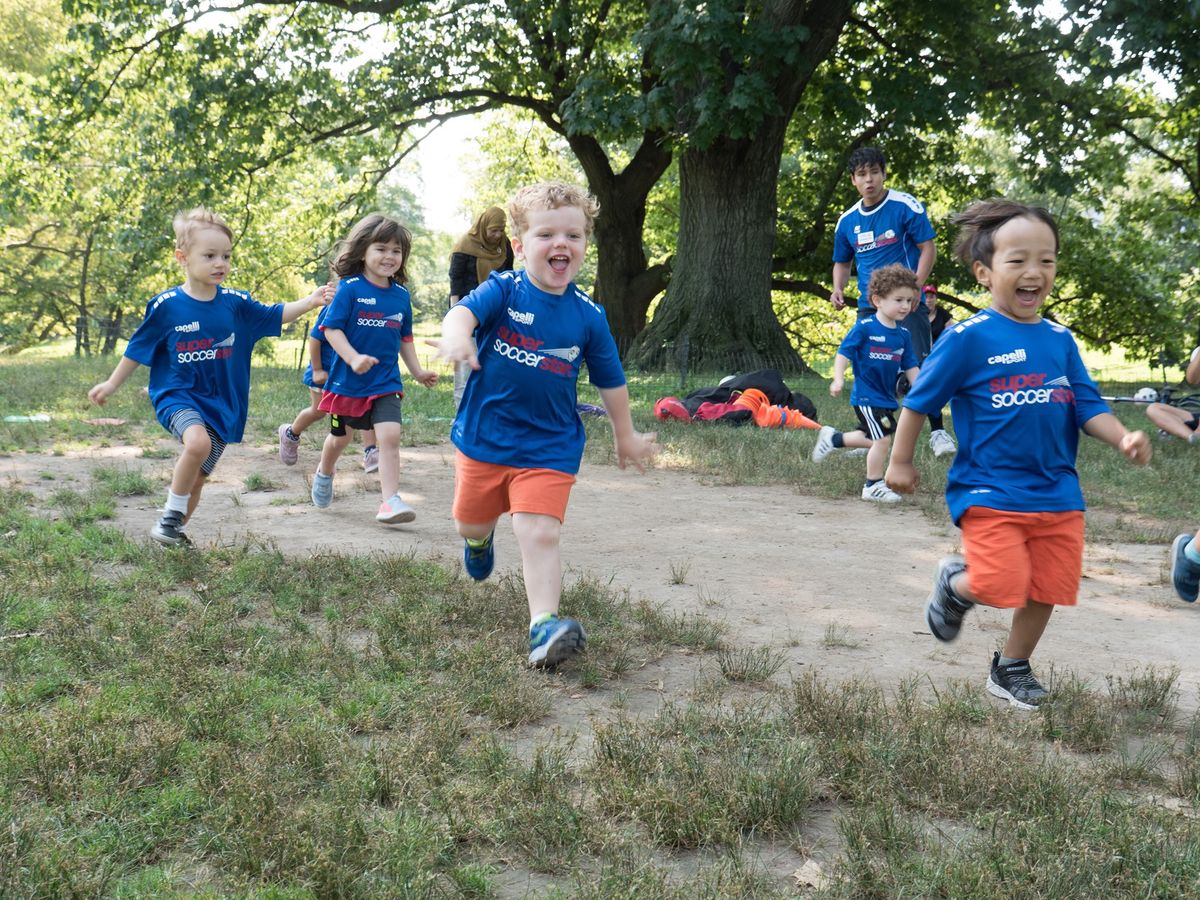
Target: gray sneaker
<point>394,511</point>
<point>945,610</point>
<point>1016,684</point>
<point>168,531</point>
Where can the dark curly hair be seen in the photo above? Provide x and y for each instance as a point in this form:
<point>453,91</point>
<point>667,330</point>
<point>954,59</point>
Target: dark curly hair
<point>374,229</point>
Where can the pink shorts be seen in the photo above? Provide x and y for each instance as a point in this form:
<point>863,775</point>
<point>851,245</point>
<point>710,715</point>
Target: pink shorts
<point>485,491</point>
<point>1013,557</point>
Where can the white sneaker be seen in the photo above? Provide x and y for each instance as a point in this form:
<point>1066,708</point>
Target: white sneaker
<point>880,493</point>
<point>394,511</point>
<point>941,443</point>
<point>824,443</point>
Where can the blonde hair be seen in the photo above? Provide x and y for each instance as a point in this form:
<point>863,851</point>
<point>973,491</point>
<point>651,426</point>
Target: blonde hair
<point>375,228</point>
<point>551,195</point>
<point>191,222</point>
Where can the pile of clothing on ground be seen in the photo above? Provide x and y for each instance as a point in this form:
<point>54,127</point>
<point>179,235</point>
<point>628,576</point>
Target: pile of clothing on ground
<point>760,397</point>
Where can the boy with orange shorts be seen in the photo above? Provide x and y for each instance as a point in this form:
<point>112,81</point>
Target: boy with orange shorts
<point>1019,394</point>
<point>519,437</point>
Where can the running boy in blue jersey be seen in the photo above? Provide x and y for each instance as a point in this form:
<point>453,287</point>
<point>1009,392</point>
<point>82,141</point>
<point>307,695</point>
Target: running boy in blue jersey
<point>878,350</point>
<point>519,437</point>
<point>1020,394</point>
<point>197,339</point>
<point>369,326</point>
<point>883,228</point>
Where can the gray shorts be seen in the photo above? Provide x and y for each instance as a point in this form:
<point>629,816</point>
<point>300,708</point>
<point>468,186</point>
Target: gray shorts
<point>384,409</point>
<point>185,418</point>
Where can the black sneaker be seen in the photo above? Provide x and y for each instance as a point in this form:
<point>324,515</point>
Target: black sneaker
<point>1016,684</point>
<point>945,609</point>
<point>169,529</point>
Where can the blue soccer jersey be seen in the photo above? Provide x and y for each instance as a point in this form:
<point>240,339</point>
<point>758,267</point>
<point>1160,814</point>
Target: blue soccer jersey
<point>519,407</point>
<point>375,321</point>
<point>887,233</point>
<point>1019,393</point>
<point>327,353</point>
<point>198,353</point>
<point>878,355</point>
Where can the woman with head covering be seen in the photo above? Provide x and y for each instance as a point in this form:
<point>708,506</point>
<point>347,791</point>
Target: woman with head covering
<point>482,250</point>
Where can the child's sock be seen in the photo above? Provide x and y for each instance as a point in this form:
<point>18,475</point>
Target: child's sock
<point>1008,660</point>
<point>871,481</point>
<point>838,439</point>
<point>368,449</point>
<point>1192,552</point>
<point>544,617</point>
<point>478,543</point>
<point>291,435</point>
<point>177,502</point>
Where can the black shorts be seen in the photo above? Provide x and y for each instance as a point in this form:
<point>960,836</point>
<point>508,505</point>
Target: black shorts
<point>876,422</point>
<point>384,409</point>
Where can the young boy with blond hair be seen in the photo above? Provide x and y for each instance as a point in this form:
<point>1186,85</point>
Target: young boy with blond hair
<point>878,349</point>
<point>526,334</point>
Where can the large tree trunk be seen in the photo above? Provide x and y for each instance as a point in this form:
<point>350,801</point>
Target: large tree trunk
<point>625,284</point>
<point>717,312</point>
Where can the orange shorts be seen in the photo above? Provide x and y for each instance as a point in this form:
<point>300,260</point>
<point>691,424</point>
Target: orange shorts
<point>1013,557</point>
<point>485,491</point>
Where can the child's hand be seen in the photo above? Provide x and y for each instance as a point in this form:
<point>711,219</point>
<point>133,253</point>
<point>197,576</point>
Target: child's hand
<point>321,296</point>
<point>363,363</point>
<point>426,377</point>
<point>1136,446</point>
<point>319,376</point>
<point>456,349</point>
<point>835,386</point>
<point>100,393</point>
<point>902,478</point>
<point>637,448</point>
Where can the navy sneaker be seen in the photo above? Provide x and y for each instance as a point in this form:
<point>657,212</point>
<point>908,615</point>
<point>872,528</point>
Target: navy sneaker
<point>945,610</point>
<point>1016,684</point>
<point>554,641</point>
<point>479,561</point>
<point>1185,574</point>
<point>168,531</point>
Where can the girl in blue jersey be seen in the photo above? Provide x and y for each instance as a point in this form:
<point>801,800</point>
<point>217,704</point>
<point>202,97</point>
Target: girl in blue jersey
<point>369,326</point>
<point>320,356</point>
<point>1019,394</point>
<point>519,437</point>
<point>197,339</point>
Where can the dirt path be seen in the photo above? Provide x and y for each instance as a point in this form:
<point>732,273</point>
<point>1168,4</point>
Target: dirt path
<point>841,585</point>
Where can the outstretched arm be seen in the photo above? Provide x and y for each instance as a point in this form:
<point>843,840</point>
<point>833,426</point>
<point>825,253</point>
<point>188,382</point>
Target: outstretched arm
<point>632,446</point>
<point>106,389</point>
<point>456,343</point>
<point>901,475</point>
<point>320,297</point>
<point>1108,428</point>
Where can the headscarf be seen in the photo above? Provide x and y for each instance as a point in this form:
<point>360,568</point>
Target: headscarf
<point>488,257</point>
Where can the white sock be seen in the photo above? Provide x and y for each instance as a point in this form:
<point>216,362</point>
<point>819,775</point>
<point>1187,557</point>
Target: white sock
<point>177,502</point>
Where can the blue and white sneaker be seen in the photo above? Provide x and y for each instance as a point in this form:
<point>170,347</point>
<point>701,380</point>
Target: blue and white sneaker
<point>322,490</point>
<point>479,561</point>
<point>554,641</point>
<point>1185,574</point>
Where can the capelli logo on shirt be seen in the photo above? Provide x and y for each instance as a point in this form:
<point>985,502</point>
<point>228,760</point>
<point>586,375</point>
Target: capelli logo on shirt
<point>367,301</point>
<point>190,326</point>
<point>876,337</point>
<point>1004,359</point>
<point>524,318</point>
